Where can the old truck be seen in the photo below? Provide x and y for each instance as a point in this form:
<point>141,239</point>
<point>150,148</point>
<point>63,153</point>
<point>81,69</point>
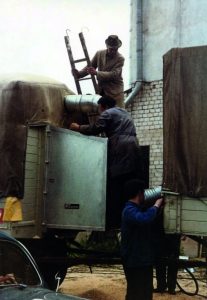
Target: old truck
<point>185,142</point>
<point>60,175</point>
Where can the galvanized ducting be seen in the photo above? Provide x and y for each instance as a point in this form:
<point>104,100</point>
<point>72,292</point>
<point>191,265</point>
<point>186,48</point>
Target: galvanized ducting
<point>82,103</point>
<point>153,193</point>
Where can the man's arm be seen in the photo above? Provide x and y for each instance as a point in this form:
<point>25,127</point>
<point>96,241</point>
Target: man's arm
<point>86,70</point>
<point>114,73</point>
<point>135,216</point>
<point>99,126</point>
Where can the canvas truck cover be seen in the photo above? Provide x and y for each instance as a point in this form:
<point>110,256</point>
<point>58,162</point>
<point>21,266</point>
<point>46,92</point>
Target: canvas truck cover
<point>185,121</point>
<point>25,100</point>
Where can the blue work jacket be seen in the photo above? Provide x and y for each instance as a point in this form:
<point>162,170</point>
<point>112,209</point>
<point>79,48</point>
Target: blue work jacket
<point>136,240</point>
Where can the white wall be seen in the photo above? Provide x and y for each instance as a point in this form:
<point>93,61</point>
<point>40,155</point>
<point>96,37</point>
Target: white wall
<point>169,24</point>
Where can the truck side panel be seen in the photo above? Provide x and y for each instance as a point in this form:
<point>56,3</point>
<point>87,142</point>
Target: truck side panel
<point>185,215</point>
<point>33,196</point>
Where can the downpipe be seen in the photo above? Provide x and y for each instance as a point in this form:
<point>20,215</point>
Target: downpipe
<point>137,25</point>
<point>133,94</point>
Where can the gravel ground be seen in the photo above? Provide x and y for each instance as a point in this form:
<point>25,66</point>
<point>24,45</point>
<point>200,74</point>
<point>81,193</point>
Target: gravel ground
<point>108,283</point>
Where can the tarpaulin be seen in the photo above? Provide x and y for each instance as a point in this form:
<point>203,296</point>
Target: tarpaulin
<point>25,100</point>
<point>185,121</point>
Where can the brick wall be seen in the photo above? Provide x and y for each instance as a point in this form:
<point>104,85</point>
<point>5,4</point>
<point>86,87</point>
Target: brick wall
<point>147,112</point>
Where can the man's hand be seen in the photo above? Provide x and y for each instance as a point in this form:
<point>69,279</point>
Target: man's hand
<point>158,202</point>
<point>91,71</point>
<point>75,73</point>
<point>74,126</point>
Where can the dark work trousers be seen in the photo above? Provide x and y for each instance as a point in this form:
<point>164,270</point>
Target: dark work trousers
<point>139,283</point>
<point>116,200</point>
<point>166,267</point>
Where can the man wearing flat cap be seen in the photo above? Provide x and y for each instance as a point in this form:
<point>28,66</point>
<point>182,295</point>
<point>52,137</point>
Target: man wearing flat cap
<point>107,66</point>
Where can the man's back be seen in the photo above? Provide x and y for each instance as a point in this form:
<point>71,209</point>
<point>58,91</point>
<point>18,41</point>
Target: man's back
<point>118,122</point>
<point>123,148</point>
<point>109,75</point>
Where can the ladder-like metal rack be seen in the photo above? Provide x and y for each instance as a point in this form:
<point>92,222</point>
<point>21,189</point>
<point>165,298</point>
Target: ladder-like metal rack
<point>73,62</point>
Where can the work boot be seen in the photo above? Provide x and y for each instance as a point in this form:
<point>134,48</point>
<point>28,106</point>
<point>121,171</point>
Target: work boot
<point>171,292</point>
<point>159,290</point>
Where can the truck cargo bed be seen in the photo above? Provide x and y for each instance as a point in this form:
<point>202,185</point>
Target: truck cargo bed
<point>185,215</point>
<point>65,183</point>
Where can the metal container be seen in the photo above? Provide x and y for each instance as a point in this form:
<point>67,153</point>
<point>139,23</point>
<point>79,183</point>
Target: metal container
<point>65,182</point>
<point>153,193</point>
<point>82,103</point>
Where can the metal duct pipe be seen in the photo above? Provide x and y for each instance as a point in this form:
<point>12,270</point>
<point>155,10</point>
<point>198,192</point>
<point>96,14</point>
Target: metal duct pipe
<point>139,51</point>
<point>156,193</point>
<point>153,193</point>
<point>82,103</point>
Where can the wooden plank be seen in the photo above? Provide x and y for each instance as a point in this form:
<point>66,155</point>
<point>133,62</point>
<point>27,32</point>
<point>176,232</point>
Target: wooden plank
<point>30,183</point>
<point>199,216</point>
<point>32,158</point>
<point>31,224</point>
<point>30,198</point>
<point>33,141</point>
<point>33,133</point>
<point>31,165</point>
<point>194,227</point>
<point>172,214</point>
<point>30,173</point>
<point>28,212</point>
<point>194,204</point>
<point>33,149</point>
<point>193,215</point>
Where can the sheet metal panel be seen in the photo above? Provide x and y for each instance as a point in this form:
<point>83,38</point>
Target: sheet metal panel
<point>75,180</point>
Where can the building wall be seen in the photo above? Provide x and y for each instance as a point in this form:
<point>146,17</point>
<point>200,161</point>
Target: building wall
<point>147,114</point>
<point>167,24</point>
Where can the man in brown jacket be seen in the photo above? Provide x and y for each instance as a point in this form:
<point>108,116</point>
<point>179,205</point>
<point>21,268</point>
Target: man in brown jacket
<point>107,66</point>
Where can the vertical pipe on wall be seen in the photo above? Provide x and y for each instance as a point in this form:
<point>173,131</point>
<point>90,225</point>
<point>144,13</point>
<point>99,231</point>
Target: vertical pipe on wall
<point>136,27</point>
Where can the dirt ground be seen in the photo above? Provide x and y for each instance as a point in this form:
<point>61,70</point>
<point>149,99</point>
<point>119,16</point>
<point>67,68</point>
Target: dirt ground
<point>108,283</point>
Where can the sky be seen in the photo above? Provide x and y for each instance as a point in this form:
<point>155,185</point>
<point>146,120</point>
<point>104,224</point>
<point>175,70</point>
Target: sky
<point>32,35</point>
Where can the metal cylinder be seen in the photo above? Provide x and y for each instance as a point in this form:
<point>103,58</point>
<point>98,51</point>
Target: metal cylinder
<point>82,103</point>
<point>153,193</point>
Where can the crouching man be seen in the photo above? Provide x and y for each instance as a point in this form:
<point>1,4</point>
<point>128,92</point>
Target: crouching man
<point>136,250</point>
